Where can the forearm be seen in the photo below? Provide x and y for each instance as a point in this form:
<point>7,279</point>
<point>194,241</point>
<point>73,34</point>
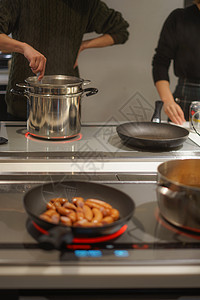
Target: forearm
<point>164,91</point>
<point>37,61</point>
<point>10,45</point>
<point>99,42</point>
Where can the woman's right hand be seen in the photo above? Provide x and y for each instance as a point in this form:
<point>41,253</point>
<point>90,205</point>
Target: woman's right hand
<point>174,112</point>
<point>37,61</point>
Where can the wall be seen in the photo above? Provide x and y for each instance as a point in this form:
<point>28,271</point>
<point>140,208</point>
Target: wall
<point>122,73</point>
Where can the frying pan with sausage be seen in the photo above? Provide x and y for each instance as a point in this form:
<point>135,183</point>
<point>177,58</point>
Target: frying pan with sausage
<point>152,135</point>
<point>36,199</point>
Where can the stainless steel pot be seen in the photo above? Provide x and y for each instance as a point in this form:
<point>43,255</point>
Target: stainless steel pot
<point>51,113</point>
<point>178,192</point>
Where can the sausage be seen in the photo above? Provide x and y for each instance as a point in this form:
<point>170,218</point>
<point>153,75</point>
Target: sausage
<point>78,201</point>
<point>105,211</point>
<point>51,205</point>
<point>69,205</point>
<point>92,205</point>
<point>114,214</point>
<point>61,200</point>
<point>98,216</point>
<point>87,212</point>
<point>55,218</point>
<point>45,218</point>
<point>57,204</point>
<point>66,221</point>
<point>100,202</point>
<point>50,212</point>
<point>63,211</point>
<point>80,214</point>
<point>85,223</point>
<point>107,220</point>
<point>72,215</point>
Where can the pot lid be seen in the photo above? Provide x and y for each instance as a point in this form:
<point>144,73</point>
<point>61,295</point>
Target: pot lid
<point>58,81</point>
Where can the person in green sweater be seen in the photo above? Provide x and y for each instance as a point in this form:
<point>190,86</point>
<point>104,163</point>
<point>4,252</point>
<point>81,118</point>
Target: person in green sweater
<point>47,38</point>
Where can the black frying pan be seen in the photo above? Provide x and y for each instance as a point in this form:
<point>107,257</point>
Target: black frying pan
<point>152,135</point>
<point>35,201</point>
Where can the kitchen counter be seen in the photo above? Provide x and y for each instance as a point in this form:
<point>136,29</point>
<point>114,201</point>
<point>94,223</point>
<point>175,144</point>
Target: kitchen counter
<point>98,155</point>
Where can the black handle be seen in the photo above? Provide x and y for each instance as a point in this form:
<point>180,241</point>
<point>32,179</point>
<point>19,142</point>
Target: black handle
<point>56,238</point>
<point>156,118</point>
<point>92,91</point>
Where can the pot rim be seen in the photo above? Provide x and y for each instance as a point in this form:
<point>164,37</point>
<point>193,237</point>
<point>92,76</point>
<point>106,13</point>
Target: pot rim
<point>33,81</point>
<point>165,177</point>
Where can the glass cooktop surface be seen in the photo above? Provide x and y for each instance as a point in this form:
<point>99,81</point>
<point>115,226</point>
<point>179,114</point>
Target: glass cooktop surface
<point>100,141</point>
<point>148,239</point>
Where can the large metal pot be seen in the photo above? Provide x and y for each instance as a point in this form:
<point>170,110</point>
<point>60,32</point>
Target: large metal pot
<point>54,105</point>
<point>178,192</point>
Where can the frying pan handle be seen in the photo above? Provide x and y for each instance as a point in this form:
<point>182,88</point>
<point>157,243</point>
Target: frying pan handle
<point>156,118</point>
<point>56,237</point>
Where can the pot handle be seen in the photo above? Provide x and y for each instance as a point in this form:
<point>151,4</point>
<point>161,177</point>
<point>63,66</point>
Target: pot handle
<point>156,118</point>
<point>165,191</point>
<point>22,85</point>
<point>56,237</point>
<point>85,82</point>
<point>18,92</point>
<point>92,91</point>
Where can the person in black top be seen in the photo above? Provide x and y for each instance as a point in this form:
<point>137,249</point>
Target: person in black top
<point>179,42</point>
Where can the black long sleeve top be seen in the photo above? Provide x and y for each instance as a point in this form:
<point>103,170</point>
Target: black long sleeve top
<point>179,42</point>
<point>55,28</point>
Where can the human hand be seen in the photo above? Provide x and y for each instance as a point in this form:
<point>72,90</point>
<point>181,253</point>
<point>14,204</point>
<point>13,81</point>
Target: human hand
<point>174,112</point>
<point>37,61</point>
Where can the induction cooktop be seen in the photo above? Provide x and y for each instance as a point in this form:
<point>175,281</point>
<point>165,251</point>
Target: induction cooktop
<point>148,238</point>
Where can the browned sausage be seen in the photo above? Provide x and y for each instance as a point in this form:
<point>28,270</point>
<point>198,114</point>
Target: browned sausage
<point>100,202</point>
<point>45,218</point>
<point>85,223</point>
<point>78,201</point>
<point>92,205</point>
<point>114,214</point>
<point>61,200</point>
<point>72,215</point>
<point>51,205</point>
<point>50,212</point>
<point>87,212</point>
<point>105,211</point>
<point>55,218</point>
<point>66,221</point>
<point>80,214</point>
<point>69,205</point>
<point>107,220</point>
<point>98,216</point>
<point>63,211</point>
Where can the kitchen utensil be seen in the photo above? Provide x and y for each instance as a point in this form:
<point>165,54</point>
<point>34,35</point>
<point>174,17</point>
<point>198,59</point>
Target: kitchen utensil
<point>152,135</point>
<point>35,201</point>
<point>54,105</point>
<point>178,192</point>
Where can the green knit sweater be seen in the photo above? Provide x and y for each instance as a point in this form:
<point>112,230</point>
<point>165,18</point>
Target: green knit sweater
<point>55,28</point>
